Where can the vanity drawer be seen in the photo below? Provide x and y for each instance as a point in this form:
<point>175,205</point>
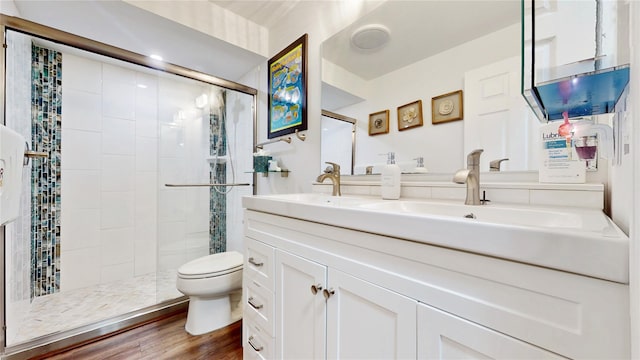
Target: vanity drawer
<point>259,306</point>
<point>258,344</point>
<point>259,263</point>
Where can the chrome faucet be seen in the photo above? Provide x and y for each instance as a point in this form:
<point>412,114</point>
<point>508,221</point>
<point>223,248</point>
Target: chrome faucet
<point>471,176</point>
<point>495,164</point>
<point>332,173</point>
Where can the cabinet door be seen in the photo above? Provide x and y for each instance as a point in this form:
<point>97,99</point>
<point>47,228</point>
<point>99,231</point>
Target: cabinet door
<point>300,314</point>
<point>444,336</point>
<point>365,321</point>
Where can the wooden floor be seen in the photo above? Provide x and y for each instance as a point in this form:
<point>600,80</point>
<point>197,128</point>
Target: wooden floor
<point>161,339</point>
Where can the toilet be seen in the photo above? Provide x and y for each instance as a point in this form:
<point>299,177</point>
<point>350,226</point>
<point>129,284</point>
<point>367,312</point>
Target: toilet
<point>213,284</point>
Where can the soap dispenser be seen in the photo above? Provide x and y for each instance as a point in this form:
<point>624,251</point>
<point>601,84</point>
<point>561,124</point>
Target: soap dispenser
<point>419,169</point>
<point>390,179</point>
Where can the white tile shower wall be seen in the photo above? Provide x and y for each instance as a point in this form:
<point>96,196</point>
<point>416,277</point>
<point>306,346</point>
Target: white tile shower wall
<point>146,174</point>
<point>146,228</point>
<point>109,164</point>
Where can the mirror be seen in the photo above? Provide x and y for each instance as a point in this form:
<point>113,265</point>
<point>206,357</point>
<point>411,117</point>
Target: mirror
<point>337,141</point>
<point>435,48</point>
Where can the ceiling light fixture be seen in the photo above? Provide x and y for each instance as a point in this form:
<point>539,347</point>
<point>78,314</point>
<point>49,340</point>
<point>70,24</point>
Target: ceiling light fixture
<point>156,57</point>
<point>370,37</point>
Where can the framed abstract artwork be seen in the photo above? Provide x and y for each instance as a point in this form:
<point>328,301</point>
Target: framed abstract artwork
<point>288,90</point>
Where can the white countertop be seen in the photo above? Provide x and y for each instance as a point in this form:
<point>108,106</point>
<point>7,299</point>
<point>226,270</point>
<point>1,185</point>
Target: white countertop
<point>582,241</point>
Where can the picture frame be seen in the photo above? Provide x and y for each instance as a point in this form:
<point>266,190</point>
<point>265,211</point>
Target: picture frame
<point>447,107</point>
<point>287,71</point>
<point>410,115</point>
<point>379,123</point>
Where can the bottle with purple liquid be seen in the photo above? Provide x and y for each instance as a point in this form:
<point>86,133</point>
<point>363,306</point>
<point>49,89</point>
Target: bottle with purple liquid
<point>586,147</point>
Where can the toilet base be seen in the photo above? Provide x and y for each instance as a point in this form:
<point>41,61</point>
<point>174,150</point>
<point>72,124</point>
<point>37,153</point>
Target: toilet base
<point>208,314</point>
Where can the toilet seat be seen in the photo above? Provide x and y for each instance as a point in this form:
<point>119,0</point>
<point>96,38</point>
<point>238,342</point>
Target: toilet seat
<point>212,265</point>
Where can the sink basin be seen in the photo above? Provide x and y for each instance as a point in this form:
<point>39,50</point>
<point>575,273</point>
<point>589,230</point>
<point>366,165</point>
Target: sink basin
<point>573,218</point>
<point>320,199</point>
<point>582,241</point>
<point>512,215</point>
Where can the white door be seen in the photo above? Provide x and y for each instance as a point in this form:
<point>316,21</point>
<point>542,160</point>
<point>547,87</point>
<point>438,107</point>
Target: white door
<point>300,314</point>
<point>445,336</point>
<point>498,119</point>
<point>365,321</point>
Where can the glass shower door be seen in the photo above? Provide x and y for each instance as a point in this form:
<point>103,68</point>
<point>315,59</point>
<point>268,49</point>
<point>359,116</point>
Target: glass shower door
<point>206,137</point>
<point>101,235</point>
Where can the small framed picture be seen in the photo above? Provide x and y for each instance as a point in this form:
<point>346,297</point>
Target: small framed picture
<point>410,115</point>
<point>447,107</point>
<point>379,123</point>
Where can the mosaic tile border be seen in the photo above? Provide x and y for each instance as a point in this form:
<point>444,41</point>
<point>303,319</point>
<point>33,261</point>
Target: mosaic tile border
<point>46,117</point>
<point>218,174</point>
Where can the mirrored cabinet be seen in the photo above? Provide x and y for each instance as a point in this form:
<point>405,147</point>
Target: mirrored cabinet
<point>574,56</point>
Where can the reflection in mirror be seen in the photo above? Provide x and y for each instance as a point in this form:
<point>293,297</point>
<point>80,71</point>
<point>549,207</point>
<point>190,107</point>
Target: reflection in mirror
<point>429,55</point>
<point>337,141</point>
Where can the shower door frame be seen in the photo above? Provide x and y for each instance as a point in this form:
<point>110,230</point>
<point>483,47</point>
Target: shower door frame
<point>68,338</point>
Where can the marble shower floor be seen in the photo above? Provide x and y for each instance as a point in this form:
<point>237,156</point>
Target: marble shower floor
<point>71,309</point>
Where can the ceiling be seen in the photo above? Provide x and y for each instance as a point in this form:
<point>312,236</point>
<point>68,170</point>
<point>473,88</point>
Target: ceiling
<point>128,27</point>
<point>267,13</point>
<point>419,28</point>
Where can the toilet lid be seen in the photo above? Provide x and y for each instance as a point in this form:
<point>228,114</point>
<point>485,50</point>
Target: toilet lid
<point>212,265</point>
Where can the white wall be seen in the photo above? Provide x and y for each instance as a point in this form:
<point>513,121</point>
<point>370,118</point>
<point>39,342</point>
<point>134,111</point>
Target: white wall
<point>441,145</point>
<point>8,7</point>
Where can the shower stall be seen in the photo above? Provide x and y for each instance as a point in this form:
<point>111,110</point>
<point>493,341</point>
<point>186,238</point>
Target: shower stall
<point>127,192</point>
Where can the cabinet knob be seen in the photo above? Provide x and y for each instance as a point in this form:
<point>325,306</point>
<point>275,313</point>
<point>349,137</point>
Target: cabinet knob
<point>316,288</point>
<point>327,293</point>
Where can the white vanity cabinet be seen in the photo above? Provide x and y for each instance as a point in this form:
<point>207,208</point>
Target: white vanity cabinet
<point>323,312</point>
<point>392,298</point>
<point>365,321</point>
<point>444,336</point>
<point>259,301</point>
<point>301,313</point>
